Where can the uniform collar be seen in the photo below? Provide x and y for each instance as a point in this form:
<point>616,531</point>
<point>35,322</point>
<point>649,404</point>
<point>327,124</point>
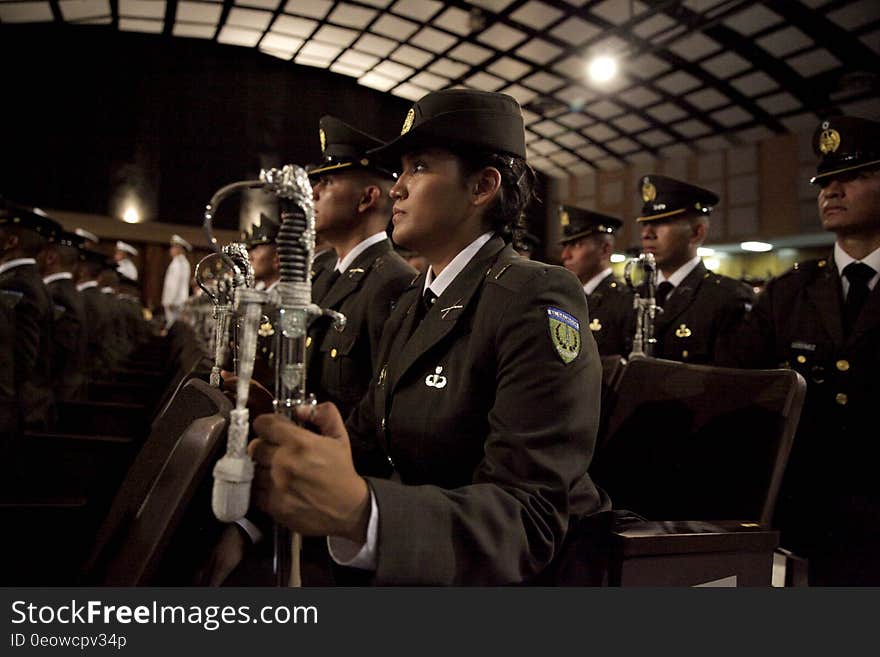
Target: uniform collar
<point>680,274</point>
<point>454,268</point>
<point>591,285</point>
<point>343,265</point>
<point>58,276</point>
<point>17,262</point>
<point>842,259</point>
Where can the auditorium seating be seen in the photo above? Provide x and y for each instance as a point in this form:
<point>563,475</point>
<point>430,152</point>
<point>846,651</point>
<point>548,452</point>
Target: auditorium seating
<point>696,454</point>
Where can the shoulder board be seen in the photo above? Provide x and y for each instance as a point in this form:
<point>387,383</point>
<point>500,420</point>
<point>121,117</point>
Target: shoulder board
<point>807,268</point>
<point>513,273</point>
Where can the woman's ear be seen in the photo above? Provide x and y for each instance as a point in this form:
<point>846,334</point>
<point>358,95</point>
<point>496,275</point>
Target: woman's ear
<point>487,183</point>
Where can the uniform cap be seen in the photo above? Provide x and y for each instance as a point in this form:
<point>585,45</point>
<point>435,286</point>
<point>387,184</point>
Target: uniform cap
<point>179,241</point>
<point>86,235</point>
<point>483,120</point>
<point>13,214</point>
<point>345,147</point>
<point>843,144</point>
<point>126,247</point>
<point>264,232</point>
<point>580,222</point>
<point>666,198</point>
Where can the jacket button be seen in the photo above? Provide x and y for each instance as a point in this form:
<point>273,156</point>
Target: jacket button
<point>802,359</point>
<point>842,365</point>
<point>308,342</point>
<point>841,398</point>
<point>333,353</point>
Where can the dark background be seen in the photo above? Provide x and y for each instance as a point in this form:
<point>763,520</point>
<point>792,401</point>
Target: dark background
<point>92,114</point>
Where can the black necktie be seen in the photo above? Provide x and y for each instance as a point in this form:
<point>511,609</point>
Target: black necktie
<point>858,274</point>
<point>427,300</point>
<point>662,292</point>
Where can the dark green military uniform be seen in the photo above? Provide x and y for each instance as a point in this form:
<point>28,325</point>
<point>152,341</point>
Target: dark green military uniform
<point>489,414</point>
<point>70,339</point>
<point>611,317</point>
<point>703,306</point>
<point>696,313</point>
<point>611,302</point>
<point>341,363</point>
<point>829,505</point>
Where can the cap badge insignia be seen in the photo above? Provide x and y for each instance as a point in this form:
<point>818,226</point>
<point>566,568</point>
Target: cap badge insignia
<point>266,328</point>
<point>829,141</point>
<point>595,324</point>
<point>564,218</point>
<point>408,121</point>
<point>323,138</point>
<point>649,192</point>
<point>565,333</point>
<point>683,331</point>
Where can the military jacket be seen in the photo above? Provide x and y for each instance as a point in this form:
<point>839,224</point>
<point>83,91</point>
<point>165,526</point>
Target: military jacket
<point>101,344</point>
<point>701,308</point>
<point>341,363</point>
<point>612,317</point>
<point>831,493</point>
<point>70,339</point>
<point>33,317</point>
<point>9,416</point>
<point>485,420</point>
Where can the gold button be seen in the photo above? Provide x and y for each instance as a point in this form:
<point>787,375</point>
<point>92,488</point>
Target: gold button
<point>308,342</point>
<point>332,353</point>
<point>843,365</point>
<point>684,354</point>
<point>841,398</point>
<point>802,359</point>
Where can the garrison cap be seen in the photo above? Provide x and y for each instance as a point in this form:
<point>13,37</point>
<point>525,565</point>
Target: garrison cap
<point>264,232</point>
<point>484,120</point>
<point>666,198</point>
<point>843,144</point>
<point>345,147</point>
<point>578,222</point>
<point>12,214</point>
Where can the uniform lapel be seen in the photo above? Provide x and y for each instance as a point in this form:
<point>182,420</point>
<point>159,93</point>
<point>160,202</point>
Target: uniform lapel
<point>826,295</point>
<point>350,280</point>
<point>446,312</point>
<point>682,296</point>
<point>869,319</point>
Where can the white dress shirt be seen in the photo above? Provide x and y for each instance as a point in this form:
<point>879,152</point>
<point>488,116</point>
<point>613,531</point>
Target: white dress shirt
<point>591,285</point>
<point>842,259</point>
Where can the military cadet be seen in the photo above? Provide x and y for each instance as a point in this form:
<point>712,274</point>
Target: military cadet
<point>128,293</point>
<point>58,262</point>
<point>587,244</point>
<point>473,442</point>
<point>175,287</point>
<point>263,256</point>
<point>123,257</point>
<point>23,234</point>
<point>352,210</point>
<point>100,341</point>
<point>697,305</point>
<point>822,318</point>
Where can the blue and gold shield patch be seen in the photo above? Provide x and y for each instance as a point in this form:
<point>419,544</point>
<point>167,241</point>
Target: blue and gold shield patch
<point>565,334</point>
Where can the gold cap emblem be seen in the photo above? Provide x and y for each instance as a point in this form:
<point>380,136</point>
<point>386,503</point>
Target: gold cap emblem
<point>408,121</point>
<point>649,192</point>
<point>563,218</point>
<point>323,138</point>
<point>829,141</point>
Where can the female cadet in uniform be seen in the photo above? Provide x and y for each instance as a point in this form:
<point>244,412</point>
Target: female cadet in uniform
<point>473,441</point>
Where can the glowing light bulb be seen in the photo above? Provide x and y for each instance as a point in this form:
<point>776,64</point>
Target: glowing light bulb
<point>602,68</point>
<point>131,216</point>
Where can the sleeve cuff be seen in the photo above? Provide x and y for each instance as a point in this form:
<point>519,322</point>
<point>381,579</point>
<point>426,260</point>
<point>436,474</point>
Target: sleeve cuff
<point>358,555</point>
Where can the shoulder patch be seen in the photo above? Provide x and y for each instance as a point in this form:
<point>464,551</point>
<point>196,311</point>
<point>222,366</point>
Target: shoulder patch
<point>565,334</point>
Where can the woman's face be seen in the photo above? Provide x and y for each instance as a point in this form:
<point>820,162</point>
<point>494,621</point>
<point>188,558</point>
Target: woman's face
<point>431,200</point>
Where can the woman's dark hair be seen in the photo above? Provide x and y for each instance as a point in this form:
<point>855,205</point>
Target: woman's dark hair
<point>517,186</point>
